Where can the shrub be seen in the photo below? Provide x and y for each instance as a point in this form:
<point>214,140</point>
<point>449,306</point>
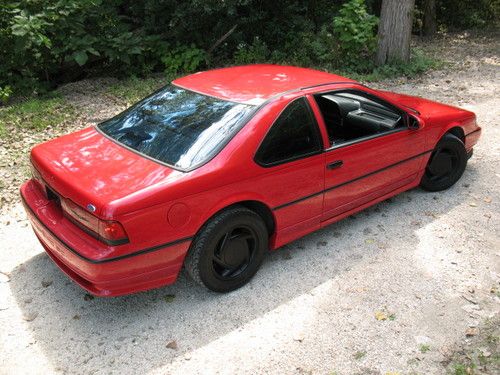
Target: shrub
<point>257,52</point>
<point>5,93</point>
<point>184,59</point>
<point>355,30</point>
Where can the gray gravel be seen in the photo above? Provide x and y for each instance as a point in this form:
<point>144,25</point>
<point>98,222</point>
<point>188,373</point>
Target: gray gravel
<point>427,262</point>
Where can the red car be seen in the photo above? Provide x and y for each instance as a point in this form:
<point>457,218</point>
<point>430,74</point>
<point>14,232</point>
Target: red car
<point>217,167</point>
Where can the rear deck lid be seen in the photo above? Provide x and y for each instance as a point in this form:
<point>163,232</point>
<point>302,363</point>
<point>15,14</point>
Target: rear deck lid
<point>89,168</point>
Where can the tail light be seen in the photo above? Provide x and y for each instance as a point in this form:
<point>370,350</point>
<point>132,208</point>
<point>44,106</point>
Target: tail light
<point>108,231</point>
<point>112,232</point>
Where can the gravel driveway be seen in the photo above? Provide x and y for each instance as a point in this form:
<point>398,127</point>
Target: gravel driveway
<point>398,288</point>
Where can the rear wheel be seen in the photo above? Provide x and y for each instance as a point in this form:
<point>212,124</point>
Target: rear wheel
<point>228,250</point>
<point>446,164</point>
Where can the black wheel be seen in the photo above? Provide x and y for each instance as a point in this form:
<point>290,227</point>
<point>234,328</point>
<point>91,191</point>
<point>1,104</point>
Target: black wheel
<point>446,164</point>
<point>228,250</point>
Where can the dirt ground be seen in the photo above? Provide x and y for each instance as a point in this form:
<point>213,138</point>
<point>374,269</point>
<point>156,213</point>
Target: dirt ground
<point>409,286</point>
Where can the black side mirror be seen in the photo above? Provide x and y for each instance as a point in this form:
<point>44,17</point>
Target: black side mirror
<point>414,123</point>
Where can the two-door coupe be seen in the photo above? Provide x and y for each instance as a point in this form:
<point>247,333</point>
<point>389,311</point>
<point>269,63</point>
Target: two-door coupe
<point>217,167</point>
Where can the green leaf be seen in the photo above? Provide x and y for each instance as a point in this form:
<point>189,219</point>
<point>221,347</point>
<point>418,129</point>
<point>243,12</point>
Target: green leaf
<point>80,57</point>
<point>93,51</point>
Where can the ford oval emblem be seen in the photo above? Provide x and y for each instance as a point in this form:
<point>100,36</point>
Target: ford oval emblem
<point>91,207</point>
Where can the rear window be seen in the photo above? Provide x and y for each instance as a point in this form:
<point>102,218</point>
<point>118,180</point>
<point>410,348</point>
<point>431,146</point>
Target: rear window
<point>177,127</point>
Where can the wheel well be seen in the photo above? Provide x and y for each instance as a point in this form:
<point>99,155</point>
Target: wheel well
<point>263,211</point>
<point>458,132</point>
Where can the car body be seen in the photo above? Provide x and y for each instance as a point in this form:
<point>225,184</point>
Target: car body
<point>90,179</point>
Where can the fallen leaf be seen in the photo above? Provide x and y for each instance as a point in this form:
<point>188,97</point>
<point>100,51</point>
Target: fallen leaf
<point>369,240</point>
<point>299,337</point>
<point>471,331</point>
<point>172,345</point>
<point>380,315</point>
<point>359,354</point>
<point>46,283</point>
<point>485,352</point>
<point>487,199</point>
<point>472,204</point>
<point>169,298</point>
<point>76,317</point>
<point>30,316</point>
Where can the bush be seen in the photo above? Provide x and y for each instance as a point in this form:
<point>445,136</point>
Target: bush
<point>44,43</point>
<point>257,52</point>
<point>355,30</point>
<point>183,59</point>
<point>5,93</point>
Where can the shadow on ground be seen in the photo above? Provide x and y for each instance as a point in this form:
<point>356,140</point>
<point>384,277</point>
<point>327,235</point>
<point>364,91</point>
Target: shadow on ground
<point>133,331</point>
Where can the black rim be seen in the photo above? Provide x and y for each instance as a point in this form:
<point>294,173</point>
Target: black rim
<point>234,252</point>
<point>443,165</point>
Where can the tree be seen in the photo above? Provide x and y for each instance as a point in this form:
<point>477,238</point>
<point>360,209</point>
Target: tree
<point>430,22</point>
<point>394,32</point>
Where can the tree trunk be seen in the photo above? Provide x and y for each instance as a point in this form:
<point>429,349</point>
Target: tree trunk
<point>430,23</point>
<point>394,31</point>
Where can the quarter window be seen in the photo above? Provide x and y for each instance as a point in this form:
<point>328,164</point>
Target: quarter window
<point>293,135</point>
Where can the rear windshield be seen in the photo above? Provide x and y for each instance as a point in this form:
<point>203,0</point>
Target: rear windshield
<point>177,127</point>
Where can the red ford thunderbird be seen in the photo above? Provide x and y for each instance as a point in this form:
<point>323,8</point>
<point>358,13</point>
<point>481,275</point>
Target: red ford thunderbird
<point>217,167</point>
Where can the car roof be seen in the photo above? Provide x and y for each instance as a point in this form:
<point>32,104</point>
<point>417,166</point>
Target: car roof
<point>254,84</point>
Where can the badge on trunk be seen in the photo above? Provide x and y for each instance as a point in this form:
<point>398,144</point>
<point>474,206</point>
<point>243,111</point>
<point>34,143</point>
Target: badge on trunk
<point>91,207</point>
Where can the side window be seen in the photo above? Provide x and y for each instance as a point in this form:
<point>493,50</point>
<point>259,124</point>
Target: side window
<point>293,135</point>
<point>350,116</point>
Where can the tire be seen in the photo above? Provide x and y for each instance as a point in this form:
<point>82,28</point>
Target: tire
<point>228,250</point>
<point>446,164</point>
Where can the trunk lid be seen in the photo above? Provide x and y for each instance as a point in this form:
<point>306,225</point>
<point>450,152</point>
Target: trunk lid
<point>88,168</point>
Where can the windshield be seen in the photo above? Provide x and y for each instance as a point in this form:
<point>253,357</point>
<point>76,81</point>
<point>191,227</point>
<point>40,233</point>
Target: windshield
<point>178,127</point>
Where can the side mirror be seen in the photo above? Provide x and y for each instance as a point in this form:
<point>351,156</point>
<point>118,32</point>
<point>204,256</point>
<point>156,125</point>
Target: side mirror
<point>414,123</point>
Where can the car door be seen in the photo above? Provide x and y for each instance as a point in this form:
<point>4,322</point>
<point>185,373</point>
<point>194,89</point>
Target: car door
<point>372,151</point>
<point>291,157</point>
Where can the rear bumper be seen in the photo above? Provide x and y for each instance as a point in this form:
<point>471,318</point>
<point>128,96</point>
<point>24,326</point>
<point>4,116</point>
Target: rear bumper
<point>131,273</point>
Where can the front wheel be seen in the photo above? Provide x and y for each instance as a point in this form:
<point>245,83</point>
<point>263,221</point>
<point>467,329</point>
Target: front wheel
<point>228,250</point>
<point>446,164</point>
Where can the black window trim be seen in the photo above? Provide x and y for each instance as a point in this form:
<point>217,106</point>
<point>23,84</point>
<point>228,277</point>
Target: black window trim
<point>299,157</point>
<point>376,99</point>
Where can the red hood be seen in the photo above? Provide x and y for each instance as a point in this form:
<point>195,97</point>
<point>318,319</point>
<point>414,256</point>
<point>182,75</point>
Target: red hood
<point>89,168</point>
<point>427,108</point>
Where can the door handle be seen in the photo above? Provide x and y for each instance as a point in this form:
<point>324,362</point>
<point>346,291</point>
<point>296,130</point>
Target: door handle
<point>335,164</point>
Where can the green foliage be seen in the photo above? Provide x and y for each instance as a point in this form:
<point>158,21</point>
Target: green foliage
<point>424,348</point>
<point>185,59</point>
<point>355,30</point>
<point>5,93</point>
<point>133,89</point>
<point>418,64</point>
<point>461,369</point>
<point>468,13</point>
<point>256,52</point>
<point>36,114</point>
<point>44,43</point>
